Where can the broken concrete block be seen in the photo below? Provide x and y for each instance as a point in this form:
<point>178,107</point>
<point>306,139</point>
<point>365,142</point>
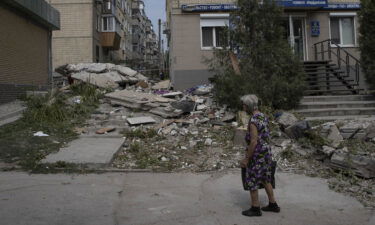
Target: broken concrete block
<point>286,119</point>
<point>335,136</point>
<point>105,130</point>
<point>140,77</point>
<point>327,150</point>
<point>172,94</point>
<point>228,117</point>
<point>201,107</point>
<point>140,120</point>
<point>298,129</point>
<point>208,142</point>
<point>185,105</point>
<point>162,85</point>
<point>165,113</point>
<point>95,79</point>
<point>363,166</point>
<point>126,71</point>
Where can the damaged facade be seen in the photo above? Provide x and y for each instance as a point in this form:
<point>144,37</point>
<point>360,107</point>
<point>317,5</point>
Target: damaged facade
<point>193,28</point>
<point>25,46</point>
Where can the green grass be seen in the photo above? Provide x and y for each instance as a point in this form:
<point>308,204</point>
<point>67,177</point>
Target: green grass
<point>52,115</point>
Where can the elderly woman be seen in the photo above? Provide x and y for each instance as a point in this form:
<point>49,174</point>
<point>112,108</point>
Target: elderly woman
<point>258,159</point>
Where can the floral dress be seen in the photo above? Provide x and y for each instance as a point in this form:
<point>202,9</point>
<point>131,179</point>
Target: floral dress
<point>260,165</point>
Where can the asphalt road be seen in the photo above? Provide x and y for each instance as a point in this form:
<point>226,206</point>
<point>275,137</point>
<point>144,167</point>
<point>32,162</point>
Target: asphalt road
<point>168,199</point>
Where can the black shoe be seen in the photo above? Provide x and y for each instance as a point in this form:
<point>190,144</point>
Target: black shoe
<point>253,211</point>
<point>272,207</point>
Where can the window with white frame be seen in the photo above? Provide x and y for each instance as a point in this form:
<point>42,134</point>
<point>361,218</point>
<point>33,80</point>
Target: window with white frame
<point>343,29</point>
<point>212,30</point>
<point>108,24</point>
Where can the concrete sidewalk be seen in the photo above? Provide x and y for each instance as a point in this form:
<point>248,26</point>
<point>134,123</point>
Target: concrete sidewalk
<point>167,199</point>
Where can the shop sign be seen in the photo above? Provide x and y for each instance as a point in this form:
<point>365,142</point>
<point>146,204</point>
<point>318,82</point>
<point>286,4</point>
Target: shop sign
<point>315,28</point>
<point>208,8</point>
<point>303,3</point>
<point>343,6</point>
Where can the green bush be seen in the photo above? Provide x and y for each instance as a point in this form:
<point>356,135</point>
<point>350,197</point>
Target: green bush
<point>367,41</point>
<point>268,66</point>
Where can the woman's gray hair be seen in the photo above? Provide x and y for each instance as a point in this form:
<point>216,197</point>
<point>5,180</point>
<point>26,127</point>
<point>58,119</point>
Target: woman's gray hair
<point>251,102</point>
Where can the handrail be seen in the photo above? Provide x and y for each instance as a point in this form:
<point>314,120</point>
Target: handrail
<point>338,55</point>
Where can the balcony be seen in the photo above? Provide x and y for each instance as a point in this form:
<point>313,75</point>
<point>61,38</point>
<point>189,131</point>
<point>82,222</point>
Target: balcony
<point>110,36</point>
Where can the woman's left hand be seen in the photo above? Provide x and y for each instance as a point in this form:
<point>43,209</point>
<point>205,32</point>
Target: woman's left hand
<point>244,162</point>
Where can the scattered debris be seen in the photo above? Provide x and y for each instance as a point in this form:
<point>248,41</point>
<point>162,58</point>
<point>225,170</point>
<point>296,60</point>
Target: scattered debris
<point>40,134</point>
<point>105,130</point>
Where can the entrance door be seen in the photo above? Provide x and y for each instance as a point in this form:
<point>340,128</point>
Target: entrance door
<point>294,33</point>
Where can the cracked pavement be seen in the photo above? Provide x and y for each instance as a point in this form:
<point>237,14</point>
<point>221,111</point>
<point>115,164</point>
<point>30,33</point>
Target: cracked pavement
<point>168,199</point>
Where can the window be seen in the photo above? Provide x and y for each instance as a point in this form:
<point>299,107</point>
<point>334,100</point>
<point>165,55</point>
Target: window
<point>212,30</point>
<point>108,24</point>
<point>342,30</point>
<point>212,37</point>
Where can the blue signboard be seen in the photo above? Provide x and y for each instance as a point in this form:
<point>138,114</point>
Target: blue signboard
<point>343,6</point>
<point>302,3</point>
<point>285,3</point>
<point>208,8</point>
<point>315,28</point>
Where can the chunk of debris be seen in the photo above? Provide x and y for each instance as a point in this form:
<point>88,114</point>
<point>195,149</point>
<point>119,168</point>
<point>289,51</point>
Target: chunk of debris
<point>40,134</point>
<point>361,165</point>
<point>105,130</point>
<point>162,85</point>
<point>298,129</point>
<point>94,79</point>
<point>286,119</point>
<point>141,120</point>
<point>185,105</point>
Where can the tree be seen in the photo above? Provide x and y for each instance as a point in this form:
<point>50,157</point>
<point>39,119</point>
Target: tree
<point>268,66</point>
<point>367,41</point>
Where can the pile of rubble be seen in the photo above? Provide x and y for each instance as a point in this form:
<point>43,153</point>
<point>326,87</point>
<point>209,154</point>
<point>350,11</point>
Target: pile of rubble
<point>168,130</point>
<point>342,151</point>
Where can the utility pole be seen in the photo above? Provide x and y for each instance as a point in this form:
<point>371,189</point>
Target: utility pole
<point>159,58</point>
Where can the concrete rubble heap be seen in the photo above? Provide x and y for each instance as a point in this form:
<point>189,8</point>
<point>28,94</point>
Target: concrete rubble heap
<point>188,131</point>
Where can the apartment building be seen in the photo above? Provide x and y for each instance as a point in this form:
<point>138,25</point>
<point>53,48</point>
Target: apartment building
<point>193,30</point>
<point>92,31</point>
<point>145,51</point>
<point>25,46</point>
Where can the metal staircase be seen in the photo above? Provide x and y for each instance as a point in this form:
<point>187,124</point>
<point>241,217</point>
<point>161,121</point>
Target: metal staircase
<point>334,71</point>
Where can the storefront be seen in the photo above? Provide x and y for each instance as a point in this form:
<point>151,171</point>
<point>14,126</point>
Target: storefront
<point>195,31</point>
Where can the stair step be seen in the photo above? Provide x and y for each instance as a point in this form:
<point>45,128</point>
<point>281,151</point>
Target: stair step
<point>332,85</point>
<point>325,76</point>
<point>317,61</point>
<point>337,98</point>
<point>309,92</point>
<point>336,111</point>
<point>322,69</point>
<point>341,104</point>
<point>324,73</point>
<point>309,66</point>
<point>330,81</point>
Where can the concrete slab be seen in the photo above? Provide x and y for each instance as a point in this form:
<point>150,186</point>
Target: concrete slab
<point>168,199</point>
<point>91,151</point>
<point>141,120</point>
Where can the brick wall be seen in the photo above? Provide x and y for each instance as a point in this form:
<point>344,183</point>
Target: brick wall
<point>74,42</point>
